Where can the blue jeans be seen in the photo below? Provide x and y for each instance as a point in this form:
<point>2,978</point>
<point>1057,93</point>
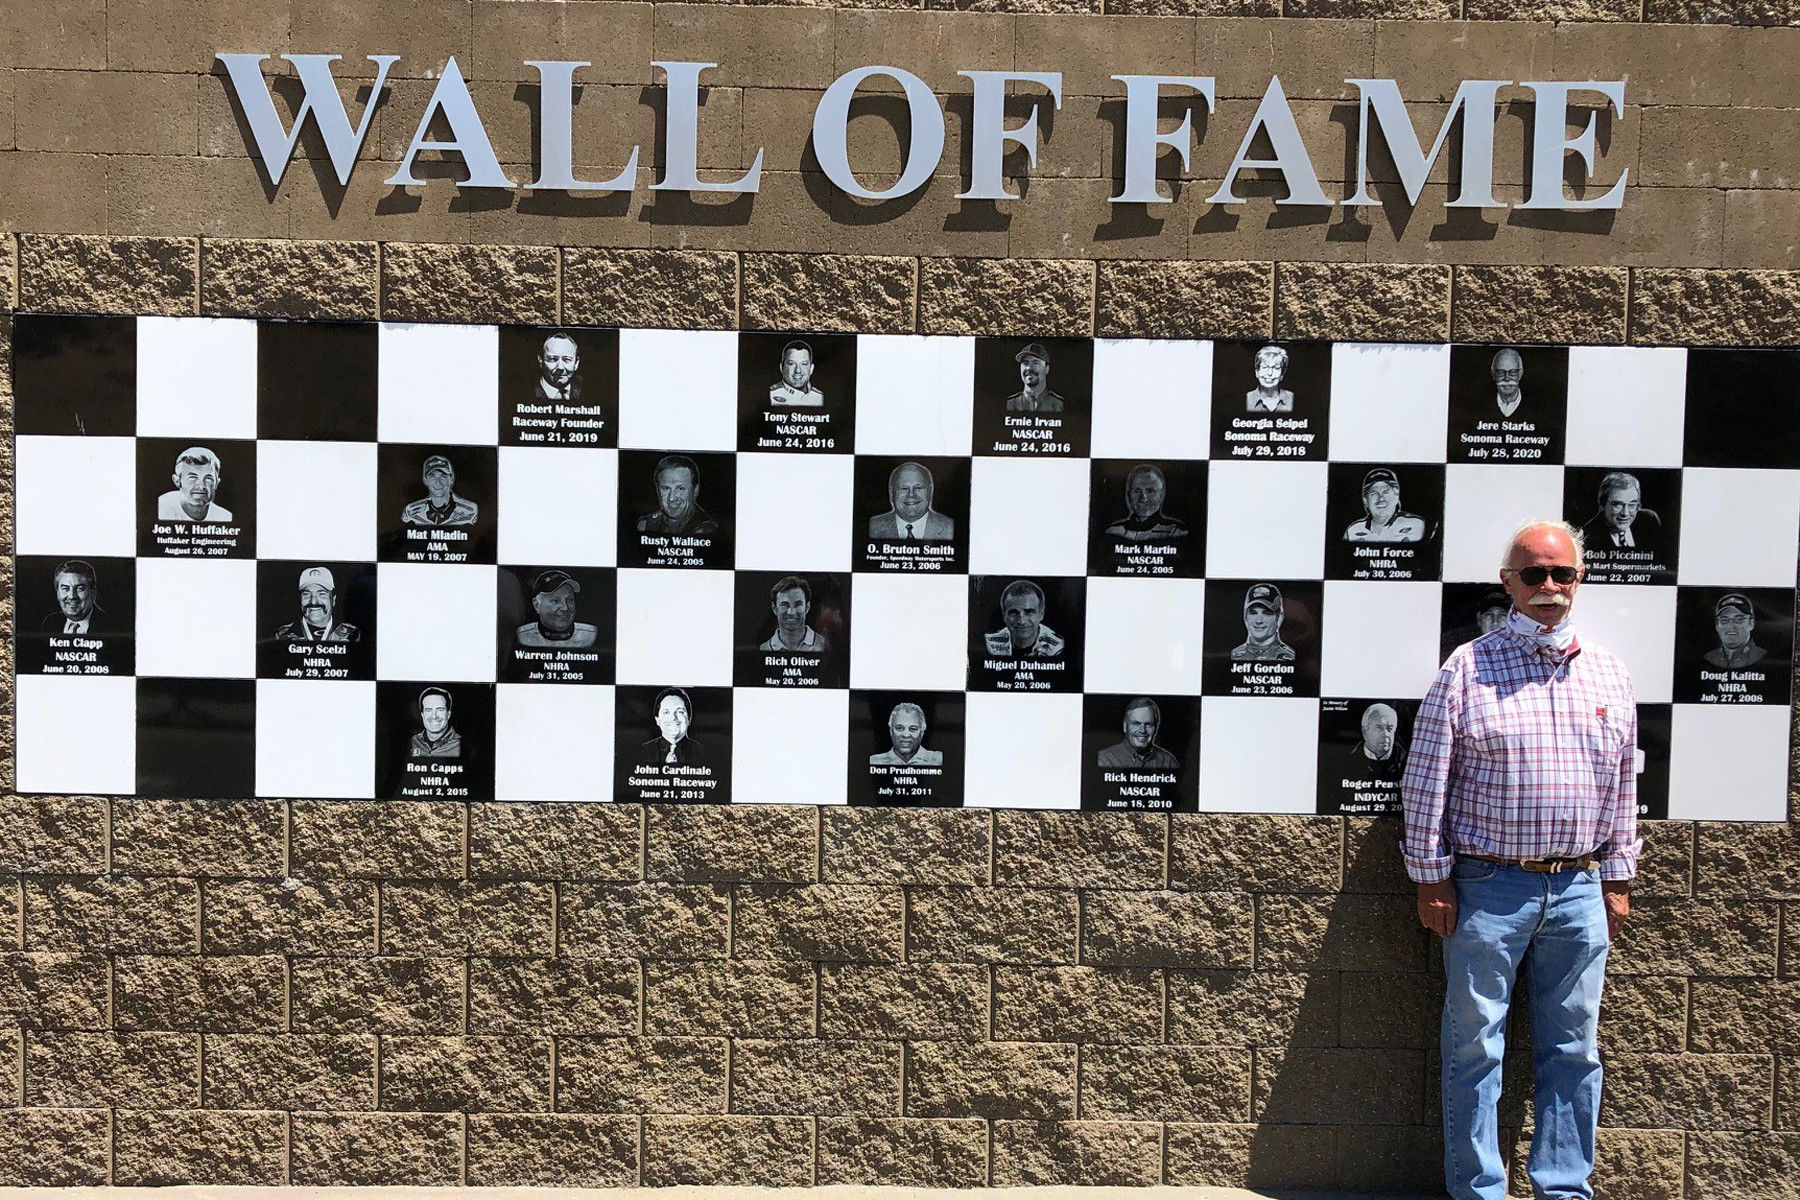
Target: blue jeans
<point>1500,913</point>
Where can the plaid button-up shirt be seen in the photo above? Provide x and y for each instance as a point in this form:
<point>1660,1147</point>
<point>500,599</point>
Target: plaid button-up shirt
<point>1519,753</point>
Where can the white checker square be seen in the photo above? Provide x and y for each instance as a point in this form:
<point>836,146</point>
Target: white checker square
<point>553,742</point>
<point>793,511</point>
<point>196,616</point>
<point>435,621</point>
<point>1738,527</point>
<point>1389,403</point>
<point>558,504</point>
<point>77,496</point>
<point>1029,518</point>
<point>1728,763</point>
<point>909,631</point>
<point>1483,504</point>
<point>440,384</point>
<point>1024,751</point>
<point>294,718</point>
<point>1627,406</point>
<point>1143,635</point>
<point>1152,399</point>
<point>1638,625</point>
<point>196,377</point>
<point>675,627</point>
<point>1380,639</point>
<point>677,389</point>
<point>77,735</point>
<point>915,395</point>
<point>789,746</point>
<point>1266,520</point>
<point>316,500</point>
<point>1257,754</point>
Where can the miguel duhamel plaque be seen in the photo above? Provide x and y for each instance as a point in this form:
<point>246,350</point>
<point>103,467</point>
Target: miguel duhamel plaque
<point>792,629</point>
<point>797,395</point>
<point>1261,638</point>
<point>1383,521</point>
<point>673,744</point>
<point>315,620</point>
<point>559,387</point>
<point>1362,754</point>
<point>1508,404</point>
<point>906,748</point>
<point>1140,753</point>
<point>911,514</point>
<point>437,504</point>
<point>1271,400</point>
<point>196,500</point>
<point>1147,519</point>
<point>1733,645</point>
<point>76,616</point>
<point>557,624</point>
<point>1033,398</point>
<point>434,741</point>
<point>1630,520</point>
<point>1025,633</point>
<point>675,510</point>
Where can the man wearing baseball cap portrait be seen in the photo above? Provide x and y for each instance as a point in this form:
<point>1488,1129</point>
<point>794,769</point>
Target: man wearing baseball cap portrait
<point>441,506</point>
<point>1734,620</point>
<point>1262,627</point>
<point>553,595</point>
<point>1034,373</point>
<point>318,606</point>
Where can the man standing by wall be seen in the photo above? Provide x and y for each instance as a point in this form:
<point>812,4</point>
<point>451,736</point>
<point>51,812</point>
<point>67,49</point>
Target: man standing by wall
<point>1521,832</point>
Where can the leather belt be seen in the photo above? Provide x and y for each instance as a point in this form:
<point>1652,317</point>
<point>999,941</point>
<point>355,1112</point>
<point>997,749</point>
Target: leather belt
<point>1543,866</point>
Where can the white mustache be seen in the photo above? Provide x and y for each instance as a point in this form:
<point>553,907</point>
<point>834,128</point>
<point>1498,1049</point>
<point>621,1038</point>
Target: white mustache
<point>1551,598</point>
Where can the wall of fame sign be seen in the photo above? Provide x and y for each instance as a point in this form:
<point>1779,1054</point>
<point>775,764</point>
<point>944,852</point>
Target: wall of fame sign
<point>473,562</point>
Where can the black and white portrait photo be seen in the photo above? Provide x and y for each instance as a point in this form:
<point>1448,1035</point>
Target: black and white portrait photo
<point>1271,400</point>
<point>1469,611</point>
<point>1025,634</point>
<point>797,394</point>
<point>911,514</point>
<point>556,624</point>
<point>1147,518</point>
<point>1629,519</point>
<point>436,503</point>
<point>315,620</point>
<point>1261,638</point>
<point>1362,755</point>
<point>559,387</point>
<point>792,630</point>
<point>1508,404</point>
<point>1138,753</point>
<point>1382,521</point>
<point>1733,645</point>
<point>75,615</point>
<point>199,499</point>
<point>673,745</point>
<point>906,748</point>
<point>434,740</point>
<point>75,376</point>
<point>1033,397</point>
<point>676,509</point>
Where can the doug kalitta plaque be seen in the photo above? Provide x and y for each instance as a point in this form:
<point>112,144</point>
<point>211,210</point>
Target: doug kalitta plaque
<point>1733,646</point>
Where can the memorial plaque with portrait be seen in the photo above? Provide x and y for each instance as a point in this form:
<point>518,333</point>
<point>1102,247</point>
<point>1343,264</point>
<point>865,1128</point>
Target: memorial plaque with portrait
<point>906,748</point>
<point>792,629</point>
<point>434,740</point>
<point>436,504</point>
<point>1025,633</point>
<point>1362,754</point>
<point>797,394</point>
<point>1630,520</point>
<point>676,510</point>
<point>1470,610</point>
<point>1033,398</point>
<point>1508,404</point>
<point>196,498</point>
<point>75,376</point>
<point>911,514</point>
<point>1384,521</point>
<point>1140,753</point>
<point>315,620</point>
<point>1147,518</point>
<point>1271,401</point>
<point>557,624</point>
<point>672,745</point>
<point>559,386</point>
<point>1733,645</point>
<point>76,616</point>
<point>1261,637</point>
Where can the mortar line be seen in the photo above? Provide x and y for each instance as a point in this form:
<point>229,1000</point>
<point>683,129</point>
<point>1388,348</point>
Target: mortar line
<point>287,1147</point>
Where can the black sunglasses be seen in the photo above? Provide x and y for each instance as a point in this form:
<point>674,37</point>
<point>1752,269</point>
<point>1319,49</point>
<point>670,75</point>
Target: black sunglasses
<point>1533,576</point>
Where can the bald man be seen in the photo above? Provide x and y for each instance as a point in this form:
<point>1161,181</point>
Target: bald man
<point>1380,755</point>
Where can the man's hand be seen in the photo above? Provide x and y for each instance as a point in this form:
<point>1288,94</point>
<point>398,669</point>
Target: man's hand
<point>1437,907</point>
<point>1617,895</point>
